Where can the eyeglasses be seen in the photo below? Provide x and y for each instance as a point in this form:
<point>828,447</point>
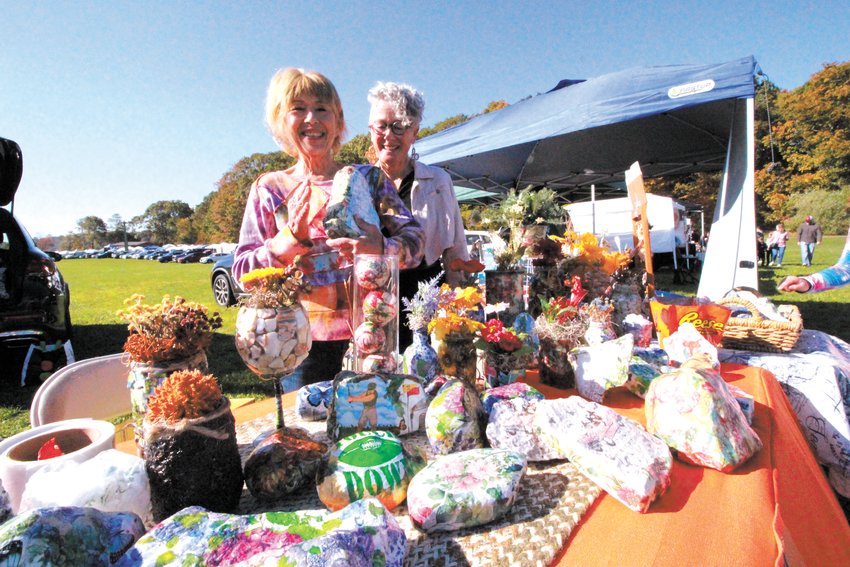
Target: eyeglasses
<point>397,128</point>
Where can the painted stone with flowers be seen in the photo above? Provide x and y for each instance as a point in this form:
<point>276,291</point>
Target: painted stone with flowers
<point>455,419</point>
<point>191,453</point>
<point>168,336</point>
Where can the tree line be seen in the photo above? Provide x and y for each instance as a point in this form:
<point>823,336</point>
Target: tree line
<point>802,139</point>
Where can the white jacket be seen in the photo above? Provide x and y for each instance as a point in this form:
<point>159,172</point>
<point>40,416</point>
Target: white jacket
<point>435,207</point>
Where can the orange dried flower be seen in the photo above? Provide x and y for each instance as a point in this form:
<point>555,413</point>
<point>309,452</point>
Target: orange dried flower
<point>185,394</point>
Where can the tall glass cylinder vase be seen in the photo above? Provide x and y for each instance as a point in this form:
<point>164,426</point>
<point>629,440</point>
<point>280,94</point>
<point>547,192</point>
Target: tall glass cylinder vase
<point>375,314</point>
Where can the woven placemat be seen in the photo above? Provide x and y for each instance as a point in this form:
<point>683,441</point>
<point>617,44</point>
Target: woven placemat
<point>551,500</point>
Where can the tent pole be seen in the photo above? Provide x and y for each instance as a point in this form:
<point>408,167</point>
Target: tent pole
<point>593,207</point>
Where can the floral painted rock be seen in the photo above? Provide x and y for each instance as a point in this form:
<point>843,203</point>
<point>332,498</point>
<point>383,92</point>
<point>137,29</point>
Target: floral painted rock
<point>465,489</point>
<point>68,535</point>
<point>312,400</point>
<point>492,396</point>
<point>284,461</point>
<point>369,402</point>
<point>368,464</point>
<point>350,196</point>
<point>455,419</point>
<point>361,535</point>
<point>601,367</point>
<point>511,426</point>
<point>612,450</point>
<point>694,412</point>
<point>5,504</point>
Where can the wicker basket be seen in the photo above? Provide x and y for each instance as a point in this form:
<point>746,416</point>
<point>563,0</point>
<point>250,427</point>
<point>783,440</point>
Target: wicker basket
<point>758,334</point>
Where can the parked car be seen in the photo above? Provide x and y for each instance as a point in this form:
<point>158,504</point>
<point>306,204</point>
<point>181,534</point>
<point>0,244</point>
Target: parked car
<point>193,256</point>
<point>34,297</point>
<point>213,258</point>
<point>226,290</point>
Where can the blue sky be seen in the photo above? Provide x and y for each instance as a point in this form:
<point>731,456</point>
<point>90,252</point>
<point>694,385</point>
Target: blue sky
<point>119,104</point>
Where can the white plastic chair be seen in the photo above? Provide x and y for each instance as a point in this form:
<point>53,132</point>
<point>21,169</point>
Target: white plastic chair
<point>94,388</point>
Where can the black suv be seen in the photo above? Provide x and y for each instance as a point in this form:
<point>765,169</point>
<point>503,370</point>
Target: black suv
<point>34,298</point>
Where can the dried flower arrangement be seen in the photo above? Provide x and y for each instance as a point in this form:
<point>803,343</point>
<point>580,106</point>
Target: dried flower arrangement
<point>422,307</point>
<point>584,256</point>
<point>170,330</point>
<point>275,287</point>
<point>185,394</point>
<point>508,258</point>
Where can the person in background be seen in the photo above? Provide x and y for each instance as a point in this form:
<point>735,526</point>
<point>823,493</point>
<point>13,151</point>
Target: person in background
<point>427,191</point>
<point>761,247</point>
<point>285,211</point>
<point>809,235</point>
<point>776,243</point>
<point>835,276</point>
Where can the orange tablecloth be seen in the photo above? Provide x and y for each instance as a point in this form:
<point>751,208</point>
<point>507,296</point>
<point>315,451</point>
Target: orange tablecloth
<point>778,504</point>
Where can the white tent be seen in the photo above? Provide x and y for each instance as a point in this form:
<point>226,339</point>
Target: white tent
<point>612,219</point>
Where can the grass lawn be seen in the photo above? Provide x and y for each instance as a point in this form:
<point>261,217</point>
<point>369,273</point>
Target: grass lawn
<point>99,287</point>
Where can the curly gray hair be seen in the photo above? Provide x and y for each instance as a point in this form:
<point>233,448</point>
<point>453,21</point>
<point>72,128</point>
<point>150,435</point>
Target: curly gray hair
<point>409,103</point>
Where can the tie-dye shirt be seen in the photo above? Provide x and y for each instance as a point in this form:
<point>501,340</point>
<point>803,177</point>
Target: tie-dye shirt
<point>328,304</point>
<point>834,276</point>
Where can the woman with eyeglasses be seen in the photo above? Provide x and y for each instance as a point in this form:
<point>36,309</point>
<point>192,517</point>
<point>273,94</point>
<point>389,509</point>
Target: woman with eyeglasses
<point>426,191</point>
<point>285,211</point>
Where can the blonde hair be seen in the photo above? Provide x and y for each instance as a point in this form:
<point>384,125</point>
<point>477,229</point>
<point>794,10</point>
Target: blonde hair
<point>290,84</point>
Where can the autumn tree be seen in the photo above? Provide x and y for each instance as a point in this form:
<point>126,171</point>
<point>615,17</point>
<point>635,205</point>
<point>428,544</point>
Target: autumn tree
<point>161,218</point>
<point>93,231</point>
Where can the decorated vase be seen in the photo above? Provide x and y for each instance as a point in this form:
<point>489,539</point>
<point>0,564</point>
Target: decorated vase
<point>503,369</point>
<point>273,341</point>
<point>420,358</point>
<point>457,356</point>
<point>144,378</point>
<point>505,287</point>
<point>554,365</point>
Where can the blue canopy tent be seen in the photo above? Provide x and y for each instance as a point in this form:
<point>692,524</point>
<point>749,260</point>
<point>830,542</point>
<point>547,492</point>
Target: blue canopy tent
<point>673,119</point>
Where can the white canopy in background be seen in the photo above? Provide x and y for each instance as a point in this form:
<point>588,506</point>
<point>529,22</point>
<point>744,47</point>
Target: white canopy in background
<point>612,218</point>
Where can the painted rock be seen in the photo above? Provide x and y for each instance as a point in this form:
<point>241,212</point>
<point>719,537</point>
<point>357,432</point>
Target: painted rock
<point>363,534</point>
<point>694,412</point>
<point>601,367</point>
<point>284,461</point>
<point>465,489</point>
<point>455,419</point>
<point>68,535</point>
<point>511,426</point>
<point>492,396</point>
<point>312,400</point>
<point>350,197</point>
<point>612,450</point>
<point>368,464</point>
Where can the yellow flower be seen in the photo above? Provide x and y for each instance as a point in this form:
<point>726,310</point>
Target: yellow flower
<point>453,323</point>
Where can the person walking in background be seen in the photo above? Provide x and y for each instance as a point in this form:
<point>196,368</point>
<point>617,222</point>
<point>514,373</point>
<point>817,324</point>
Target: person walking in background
<point>835,276</point>
<point>761,247</point>
<point>809,235</point>
<point>776,243</point>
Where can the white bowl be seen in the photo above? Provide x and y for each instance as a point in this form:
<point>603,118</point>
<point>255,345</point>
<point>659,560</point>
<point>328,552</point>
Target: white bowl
<point>79,439</point>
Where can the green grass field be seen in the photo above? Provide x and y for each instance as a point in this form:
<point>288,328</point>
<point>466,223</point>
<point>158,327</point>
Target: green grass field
<point>99,287</point>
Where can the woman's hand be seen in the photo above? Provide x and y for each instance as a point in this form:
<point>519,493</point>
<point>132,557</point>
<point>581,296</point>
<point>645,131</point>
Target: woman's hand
<point>794,283</point>
<point>371,242</point>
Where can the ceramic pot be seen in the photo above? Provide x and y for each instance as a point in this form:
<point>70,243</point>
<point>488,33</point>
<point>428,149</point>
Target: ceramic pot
<point>420,358</point>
